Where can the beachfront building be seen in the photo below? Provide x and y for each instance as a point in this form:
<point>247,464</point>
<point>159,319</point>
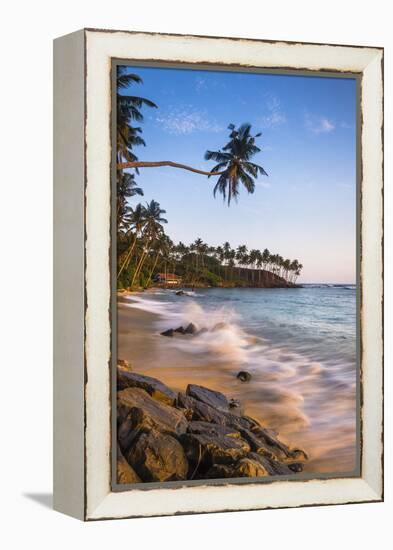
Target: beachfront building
<point>168,279</point>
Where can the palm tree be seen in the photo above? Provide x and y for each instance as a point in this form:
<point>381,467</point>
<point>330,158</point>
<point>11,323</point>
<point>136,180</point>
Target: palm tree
<point>233,166</point>
<point>234,163</point>
<point>137,219</point>
<point>152,231</point>
<point>126,188</point>
<point>128,109</point>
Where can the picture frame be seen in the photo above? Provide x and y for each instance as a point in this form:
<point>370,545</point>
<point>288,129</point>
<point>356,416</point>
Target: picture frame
<point>83,280</point>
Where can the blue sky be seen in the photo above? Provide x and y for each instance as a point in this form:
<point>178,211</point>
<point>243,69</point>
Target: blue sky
<point>304,209</point>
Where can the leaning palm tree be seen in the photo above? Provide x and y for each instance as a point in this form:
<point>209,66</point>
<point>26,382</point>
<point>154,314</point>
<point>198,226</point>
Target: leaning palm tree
<point>152,231</point>
<point>234,163</point>
<point>137,219</point>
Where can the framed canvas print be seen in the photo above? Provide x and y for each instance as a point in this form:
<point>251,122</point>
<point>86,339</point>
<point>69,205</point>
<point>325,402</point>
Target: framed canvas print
<point>218,274</point>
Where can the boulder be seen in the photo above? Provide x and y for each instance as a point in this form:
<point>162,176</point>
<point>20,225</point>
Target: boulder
<point>197,410</point>
<point>181,330</point>
<point>168,332</point>
<point>212,398</point>
<point>273,467</point>
<point>247,467</point>
<point>190,329</point>
<point>206,450</point>
<point>244,376</point>
<point>144,413</point>
<point>154,387</point>
<point>234,403</point>
<point>280,450</point>
<point>215,430</point>
<point>179,292</point>
<point>158,457</point>
<point>125,473</point>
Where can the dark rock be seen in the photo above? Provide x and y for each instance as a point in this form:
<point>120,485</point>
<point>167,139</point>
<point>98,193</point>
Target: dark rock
<point>215,430</point>
<point>206,450</point>
<point>247,467</point>
<point>196,410</point>
<point>154,387</point>
<point>209,397</point>
<point>202,330</point>
<point>168,332</point>
<point>181,330</point>
<point>190,329</point>
<point>220,471</point>
<point>126,434</point>
<point>273,467</point>
<point>244,376</point>
<point>179,292</point>
<point>234,403</point>
<point>298,454</point>
<point>280,450</point>
<point>296,467</point>
<point>144,413</point>
<point>125,473</point>
<point>158,457</point>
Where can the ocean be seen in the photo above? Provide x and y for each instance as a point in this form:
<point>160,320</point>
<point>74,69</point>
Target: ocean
<point>299,345</point>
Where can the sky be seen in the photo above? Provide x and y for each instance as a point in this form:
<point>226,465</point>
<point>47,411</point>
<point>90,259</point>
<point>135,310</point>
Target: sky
<point>305,208</point>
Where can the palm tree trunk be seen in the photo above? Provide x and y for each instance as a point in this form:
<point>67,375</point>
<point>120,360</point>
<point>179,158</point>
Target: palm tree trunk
<point>153,268</point>
<point>128,256</point>
<point>139,267</point>
<point>153,164</point>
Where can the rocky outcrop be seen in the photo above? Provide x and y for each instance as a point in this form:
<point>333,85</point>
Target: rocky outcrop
<point>158,457</point>
<point>193,435</point>
<point>154,387</point>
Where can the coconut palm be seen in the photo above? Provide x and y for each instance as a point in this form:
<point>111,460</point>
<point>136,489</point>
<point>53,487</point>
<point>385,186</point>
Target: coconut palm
<point>234,161</point>
<point>152,230</point>
<point>128,109</point>
<point>137,218</point>
<point>126,188</point>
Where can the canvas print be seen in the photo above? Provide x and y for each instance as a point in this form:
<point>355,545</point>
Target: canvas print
<point>235,275</point>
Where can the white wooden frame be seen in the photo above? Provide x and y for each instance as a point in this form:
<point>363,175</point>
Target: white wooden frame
<point>82,391</point>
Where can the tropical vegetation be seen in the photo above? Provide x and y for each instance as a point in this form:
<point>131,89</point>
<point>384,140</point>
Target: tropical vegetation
<point>144,249</point>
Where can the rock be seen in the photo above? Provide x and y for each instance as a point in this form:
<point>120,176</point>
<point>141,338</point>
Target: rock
<point>280,450</point>
<point>244,376</point>
<point>202,331</point>
<point>197,410</point>
<point>298,454</point>
<point>264,448</point>
<point>181,330</point>
<point>204,450</point>
<point>168,332</point>
<point>190,329</point>
<point>220,471</point>
<point>296,467</point>
<point>158,457</point>
<point>144,413</point>
<point>247,467</point>
<point>273,467</point>
<point>215,430</point>
<point>154,387</point>
<point>126,434</point>
<point>212,398</point>
<point>179,292</point>
<point>122,364</point>
<point>125,473</point>
<point>234,403</point>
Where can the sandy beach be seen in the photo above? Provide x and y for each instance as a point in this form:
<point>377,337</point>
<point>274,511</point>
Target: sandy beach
<point>273,404</point>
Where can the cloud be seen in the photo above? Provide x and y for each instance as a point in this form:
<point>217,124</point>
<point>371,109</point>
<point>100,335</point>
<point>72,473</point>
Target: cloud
<point>186,120</point>
<point>319,124</point>
<point>275,115</point>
